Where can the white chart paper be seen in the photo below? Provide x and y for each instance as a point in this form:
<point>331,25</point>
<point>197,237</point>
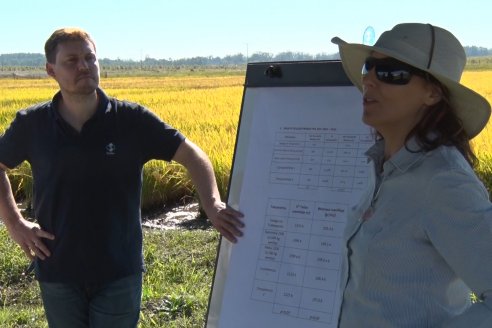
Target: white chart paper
<point>301,168</point>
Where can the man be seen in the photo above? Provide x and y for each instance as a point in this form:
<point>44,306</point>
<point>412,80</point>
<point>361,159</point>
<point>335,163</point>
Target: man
<point>86,152</point>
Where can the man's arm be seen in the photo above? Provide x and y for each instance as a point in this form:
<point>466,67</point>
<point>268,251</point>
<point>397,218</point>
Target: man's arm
<point>225,219</point>
<point>27,234</point>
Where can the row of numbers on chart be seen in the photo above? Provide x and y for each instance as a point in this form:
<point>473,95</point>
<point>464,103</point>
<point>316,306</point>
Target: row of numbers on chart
<point>320,160</point>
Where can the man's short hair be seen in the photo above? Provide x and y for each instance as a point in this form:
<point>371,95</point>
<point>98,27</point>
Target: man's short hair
<point>61,36</point>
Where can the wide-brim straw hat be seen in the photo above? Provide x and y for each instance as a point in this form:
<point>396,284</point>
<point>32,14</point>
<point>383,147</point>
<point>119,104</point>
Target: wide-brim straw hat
<point>431,49</point>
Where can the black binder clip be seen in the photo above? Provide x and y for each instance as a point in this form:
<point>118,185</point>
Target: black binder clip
<point>273,71</point>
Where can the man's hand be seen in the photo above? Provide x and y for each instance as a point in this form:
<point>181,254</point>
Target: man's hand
<point>227,221</point>
<point>29,237</point>
<point>27,234</point>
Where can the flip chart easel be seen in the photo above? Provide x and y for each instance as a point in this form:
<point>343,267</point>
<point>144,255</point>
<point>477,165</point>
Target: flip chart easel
<point>298,167</point>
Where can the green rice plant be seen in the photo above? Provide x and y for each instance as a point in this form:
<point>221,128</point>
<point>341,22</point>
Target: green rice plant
<point>484,170</point>
<point>164,184</point>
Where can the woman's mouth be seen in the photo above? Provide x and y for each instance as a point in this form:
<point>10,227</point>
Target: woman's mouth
<point>368,100</point>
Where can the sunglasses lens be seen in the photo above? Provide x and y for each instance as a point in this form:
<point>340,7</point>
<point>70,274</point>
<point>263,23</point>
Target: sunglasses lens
<point>388,71</point>
<point>393,75</point>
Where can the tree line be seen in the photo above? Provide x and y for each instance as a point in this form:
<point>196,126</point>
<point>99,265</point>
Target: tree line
<point>38,60</point>
<point>33,60</point>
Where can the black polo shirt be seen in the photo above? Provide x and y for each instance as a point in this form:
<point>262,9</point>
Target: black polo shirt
<point>87,185</point>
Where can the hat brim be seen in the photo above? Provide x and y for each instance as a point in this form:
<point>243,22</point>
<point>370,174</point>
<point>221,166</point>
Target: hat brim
<point>470,107</point>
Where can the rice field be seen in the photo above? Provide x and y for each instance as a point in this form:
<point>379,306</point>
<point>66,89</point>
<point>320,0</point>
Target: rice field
<point>205,109</point>
<point>481,82</point>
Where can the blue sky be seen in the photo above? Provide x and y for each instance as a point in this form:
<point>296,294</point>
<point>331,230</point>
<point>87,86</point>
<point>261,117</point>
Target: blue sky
<point>184,28</point>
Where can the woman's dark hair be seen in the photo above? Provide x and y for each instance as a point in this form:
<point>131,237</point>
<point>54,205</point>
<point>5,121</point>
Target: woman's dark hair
<point>440,126</point>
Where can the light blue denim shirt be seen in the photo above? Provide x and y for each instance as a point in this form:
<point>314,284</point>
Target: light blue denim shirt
<point>418,243</point>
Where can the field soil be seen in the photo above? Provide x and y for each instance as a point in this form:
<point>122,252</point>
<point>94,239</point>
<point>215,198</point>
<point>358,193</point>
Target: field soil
<point>178,217</point>
<point>186,217</point>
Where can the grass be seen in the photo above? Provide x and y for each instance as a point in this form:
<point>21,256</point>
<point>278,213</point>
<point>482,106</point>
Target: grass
<point>176,286</point>
<point>180,267</point>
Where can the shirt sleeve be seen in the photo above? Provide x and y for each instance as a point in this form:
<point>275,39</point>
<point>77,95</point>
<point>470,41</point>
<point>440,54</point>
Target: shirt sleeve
<point>459,225</point>
<point>13,143</point>
<point>158,139</point>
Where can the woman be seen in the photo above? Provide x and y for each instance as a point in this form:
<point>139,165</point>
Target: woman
<point>420,241</point>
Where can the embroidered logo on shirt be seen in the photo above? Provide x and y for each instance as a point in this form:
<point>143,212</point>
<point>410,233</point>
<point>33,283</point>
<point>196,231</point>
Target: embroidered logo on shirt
<point>110,149</point>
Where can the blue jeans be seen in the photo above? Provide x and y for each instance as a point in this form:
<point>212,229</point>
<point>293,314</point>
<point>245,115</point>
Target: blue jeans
<point>113,304</point>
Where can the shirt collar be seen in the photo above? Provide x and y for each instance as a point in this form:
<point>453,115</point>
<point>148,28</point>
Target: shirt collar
<point>402,160</point>
<point>103,107</point>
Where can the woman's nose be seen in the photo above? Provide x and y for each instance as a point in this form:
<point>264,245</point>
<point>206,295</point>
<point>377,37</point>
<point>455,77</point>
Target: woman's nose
<point>369,78</point>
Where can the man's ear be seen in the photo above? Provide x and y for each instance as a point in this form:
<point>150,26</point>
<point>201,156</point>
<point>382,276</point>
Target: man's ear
<point>49,70</point>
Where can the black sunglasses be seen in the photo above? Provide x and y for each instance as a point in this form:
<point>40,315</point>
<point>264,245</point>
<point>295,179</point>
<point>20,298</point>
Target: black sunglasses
<point>390,70</point>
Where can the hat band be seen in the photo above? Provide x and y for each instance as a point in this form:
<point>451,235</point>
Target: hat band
<point>433,40</point>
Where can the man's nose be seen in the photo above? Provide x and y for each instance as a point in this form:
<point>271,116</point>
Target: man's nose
<point>82,65</point>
